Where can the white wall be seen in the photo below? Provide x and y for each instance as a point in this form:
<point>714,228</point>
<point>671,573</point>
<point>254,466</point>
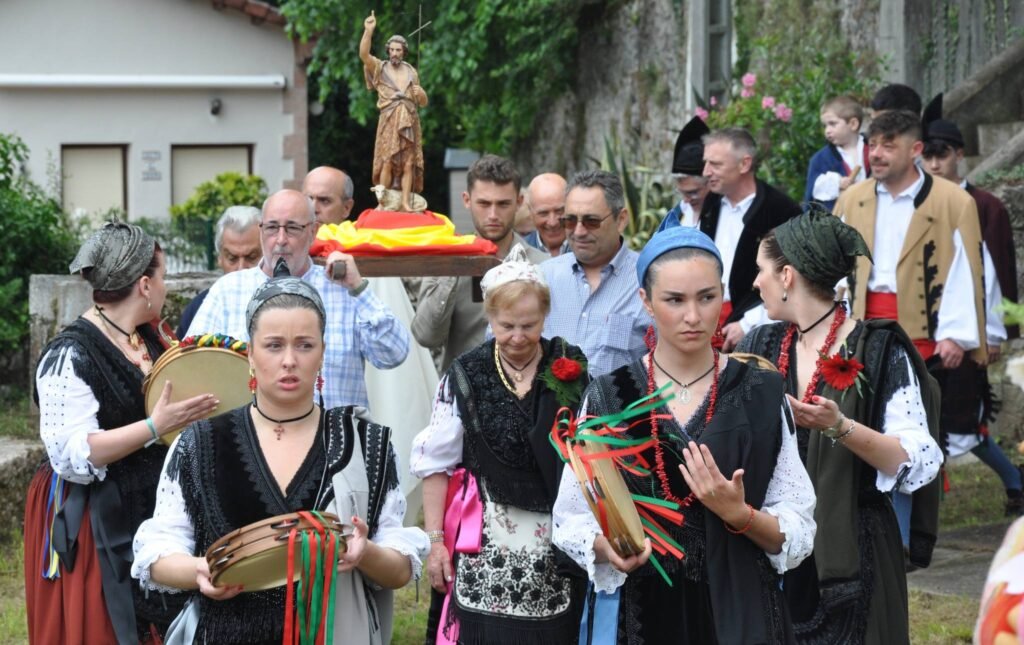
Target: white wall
<point>152,38</point>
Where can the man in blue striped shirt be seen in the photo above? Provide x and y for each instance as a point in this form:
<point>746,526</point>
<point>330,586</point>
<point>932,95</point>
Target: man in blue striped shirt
<point>594,299</point>
<point>359,326</point>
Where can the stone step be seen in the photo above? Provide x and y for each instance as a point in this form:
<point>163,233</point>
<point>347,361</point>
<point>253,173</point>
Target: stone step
<point>992,136</point>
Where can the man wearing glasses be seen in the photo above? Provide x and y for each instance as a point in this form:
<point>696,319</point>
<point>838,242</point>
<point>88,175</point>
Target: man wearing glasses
<point>359,327</point>
<point>687,171</point>
<point>593,289</point>
<point>740,210</point>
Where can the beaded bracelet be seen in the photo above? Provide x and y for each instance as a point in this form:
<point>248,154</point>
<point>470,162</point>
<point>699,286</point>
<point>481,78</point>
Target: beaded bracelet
<point>750,522</point>
<point>435,536</point>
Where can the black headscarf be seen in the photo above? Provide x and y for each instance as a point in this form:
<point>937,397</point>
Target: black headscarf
<point>820,245</point>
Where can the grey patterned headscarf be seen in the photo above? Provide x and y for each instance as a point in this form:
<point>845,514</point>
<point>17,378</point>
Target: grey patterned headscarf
<point>281,286</point>
<point>118,255</point>
<point>820,245</point>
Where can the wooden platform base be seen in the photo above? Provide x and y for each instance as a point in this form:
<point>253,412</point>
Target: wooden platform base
<point>412,266</point>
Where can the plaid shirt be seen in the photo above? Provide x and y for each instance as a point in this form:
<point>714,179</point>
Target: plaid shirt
<point>608,324</point>
<point>358,329</point>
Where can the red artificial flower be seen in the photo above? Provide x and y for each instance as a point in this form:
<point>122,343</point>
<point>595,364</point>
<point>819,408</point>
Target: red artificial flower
<point>841,373</point>
<point>566,369</point>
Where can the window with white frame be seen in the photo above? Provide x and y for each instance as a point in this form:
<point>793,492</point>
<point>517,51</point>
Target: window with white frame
<point>192,165</point>
<point>93,178</point>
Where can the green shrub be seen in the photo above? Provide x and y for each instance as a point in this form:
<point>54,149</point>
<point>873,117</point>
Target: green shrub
<point>39,238</point>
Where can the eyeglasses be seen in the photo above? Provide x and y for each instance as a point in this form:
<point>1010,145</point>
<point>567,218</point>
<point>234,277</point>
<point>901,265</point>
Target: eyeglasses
<point>589,222</point>
<point>291,229</point>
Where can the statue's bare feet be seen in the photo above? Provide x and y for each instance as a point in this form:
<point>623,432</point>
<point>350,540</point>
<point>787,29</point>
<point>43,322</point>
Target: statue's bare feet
<point>406,208</point>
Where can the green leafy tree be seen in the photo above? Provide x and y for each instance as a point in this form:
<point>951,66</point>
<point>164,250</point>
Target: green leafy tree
<point>489,67</point>
<point>39,239</point>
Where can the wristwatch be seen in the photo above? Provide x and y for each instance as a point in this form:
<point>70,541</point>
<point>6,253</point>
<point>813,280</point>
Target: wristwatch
<point>355,291</point>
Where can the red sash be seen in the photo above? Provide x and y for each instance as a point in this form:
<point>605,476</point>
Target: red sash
<point>884,305</point>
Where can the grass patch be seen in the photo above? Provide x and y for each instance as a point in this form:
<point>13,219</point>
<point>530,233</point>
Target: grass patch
<point>13,624</point>
<point>976,497</point>
<point>19,420</point>
<point>410,627</point>
<point>936,619</point>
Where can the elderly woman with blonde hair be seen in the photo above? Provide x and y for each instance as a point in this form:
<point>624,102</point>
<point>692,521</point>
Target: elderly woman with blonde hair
<point>490,476</point>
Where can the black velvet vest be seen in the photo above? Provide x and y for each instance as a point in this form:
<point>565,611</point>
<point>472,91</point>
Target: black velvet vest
<point>743,590</point>
<point>125,498</point>
<point>227,484</point>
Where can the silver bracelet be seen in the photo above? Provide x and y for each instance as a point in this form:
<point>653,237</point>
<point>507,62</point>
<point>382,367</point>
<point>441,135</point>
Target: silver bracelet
<point>849,431</point>
<point>435,536</point>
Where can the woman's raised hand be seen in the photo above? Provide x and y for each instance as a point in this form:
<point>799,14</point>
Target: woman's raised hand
<point>723,497</point>
<point>168,416</point>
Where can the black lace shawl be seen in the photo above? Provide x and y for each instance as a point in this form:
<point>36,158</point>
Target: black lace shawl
<point>726,590</point>
<point>506,439</point>
<point>227,484</point>
<point>830,593</point>
<point>126,497</point>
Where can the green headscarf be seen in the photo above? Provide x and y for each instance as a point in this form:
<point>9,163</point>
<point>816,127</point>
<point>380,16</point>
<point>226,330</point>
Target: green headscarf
<point>820,245</point>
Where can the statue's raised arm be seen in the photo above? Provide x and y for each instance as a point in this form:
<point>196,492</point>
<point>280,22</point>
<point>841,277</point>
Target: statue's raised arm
<point>398,152</point>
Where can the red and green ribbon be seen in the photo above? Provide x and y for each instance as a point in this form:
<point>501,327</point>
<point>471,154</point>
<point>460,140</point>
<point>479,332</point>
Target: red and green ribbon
<point>309,605</point>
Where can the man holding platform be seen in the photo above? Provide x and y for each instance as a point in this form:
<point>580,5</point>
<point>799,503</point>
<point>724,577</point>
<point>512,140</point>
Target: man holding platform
<point>359,327</point>
<point>398,152</point>
<point>447,315</point>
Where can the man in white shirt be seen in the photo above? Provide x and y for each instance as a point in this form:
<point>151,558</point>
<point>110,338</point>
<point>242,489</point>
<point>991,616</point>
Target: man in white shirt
<point>736,215</point>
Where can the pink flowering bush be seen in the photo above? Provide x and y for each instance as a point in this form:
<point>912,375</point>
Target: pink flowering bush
<point>782,111</point>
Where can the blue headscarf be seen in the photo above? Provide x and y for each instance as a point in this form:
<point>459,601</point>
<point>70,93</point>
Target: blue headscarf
<point>677,237</point>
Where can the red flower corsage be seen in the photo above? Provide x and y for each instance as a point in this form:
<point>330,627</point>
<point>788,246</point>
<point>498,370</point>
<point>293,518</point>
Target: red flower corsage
<point>842,373</point>
<point>566,369</point>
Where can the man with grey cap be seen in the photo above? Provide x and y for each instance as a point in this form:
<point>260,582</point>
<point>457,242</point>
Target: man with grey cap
<point>237,241</point>
<point>359,327</point>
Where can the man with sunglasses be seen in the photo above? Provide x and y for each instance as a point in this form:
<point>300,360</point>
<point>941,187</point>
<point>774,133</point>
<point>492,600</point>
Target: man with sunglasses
<point>359,326</point>
<point>447,314</point>
<point>736,215</point>
<point>593,288</point>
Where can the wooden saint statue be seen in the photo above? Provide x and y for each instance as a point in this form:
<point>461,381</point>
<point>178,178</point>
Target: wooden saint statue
<point>398,151</point>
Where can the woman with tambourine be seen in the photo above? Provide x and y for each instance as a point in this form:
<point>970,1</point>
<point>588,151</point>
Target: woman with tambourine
<point>99,482</point>
<point>281,454</point>
<point>721,451</point>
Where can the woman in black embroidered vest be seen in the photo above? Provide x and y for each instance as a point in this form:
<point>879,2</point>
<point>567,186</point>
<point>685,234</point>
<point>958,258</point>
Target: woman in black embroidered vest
<point>862,429</point>
<point>488,434</point>
<point>103,463</point>
<point>724,450</point>
<point>283,453</point>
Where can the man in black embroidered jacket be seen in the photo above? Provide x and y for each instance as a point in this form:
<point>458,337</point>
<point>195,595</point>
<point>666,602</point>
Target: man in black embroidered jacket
<point>739,210</point>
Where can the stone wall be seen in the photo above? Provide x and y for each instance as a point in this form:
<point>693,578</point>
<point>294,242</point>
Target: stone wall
<point>630,84</point>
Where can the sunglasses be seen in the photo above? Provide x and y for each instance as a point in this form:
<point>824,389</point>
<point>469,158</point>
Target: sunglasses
<point>589,222</point>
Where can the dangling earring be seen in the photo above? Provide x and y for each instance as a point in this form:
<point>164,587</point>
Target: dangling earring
<point>320,387</point>
<point>252,382</point>
<point>149,303</point>
<point>718,340</point>
<point>650,338</point>
<point>785,295</point>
